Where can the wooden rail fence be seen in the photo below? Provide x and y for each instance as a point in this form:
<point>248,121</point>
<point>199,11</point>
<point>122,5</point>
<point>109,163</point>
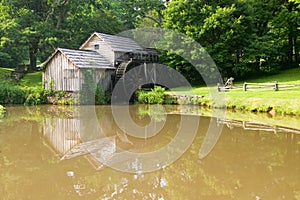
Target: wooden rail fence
<point>274,86</point>
<point>264,86</point>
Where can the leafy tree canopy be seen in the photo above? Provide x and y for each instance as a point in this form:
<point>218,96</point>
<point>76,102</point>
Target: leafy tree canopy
<point>242,36</point>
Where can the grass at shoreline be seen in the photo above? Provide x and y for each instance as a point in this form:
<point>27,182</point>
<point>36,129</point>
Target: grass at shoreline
<point>28,90</point>
<point>282,102</point>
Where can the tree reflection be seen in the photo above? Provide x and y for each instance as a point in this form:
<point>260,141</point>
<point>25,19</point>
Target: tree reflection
<point>244,163</point>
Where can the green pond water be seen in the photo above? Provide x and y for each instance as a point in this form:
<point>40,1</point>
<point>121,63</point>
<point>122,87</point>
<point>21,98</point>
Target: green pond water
<point>146,152</point>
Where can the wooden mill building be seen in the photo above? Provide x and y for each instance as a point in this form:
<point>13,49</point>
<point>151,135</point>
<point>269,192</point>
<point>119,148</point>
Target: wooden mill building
<point>109,56</point>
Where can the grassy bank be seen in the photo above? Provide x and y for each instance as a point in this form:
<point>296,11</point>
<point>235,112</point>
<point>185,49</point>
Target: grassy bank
<point>282,102</point>
<point>29,91</point>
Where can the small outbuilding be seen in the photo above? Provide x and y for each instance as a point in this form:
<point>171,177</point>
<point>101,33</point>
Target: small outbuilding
<point>64,69</point>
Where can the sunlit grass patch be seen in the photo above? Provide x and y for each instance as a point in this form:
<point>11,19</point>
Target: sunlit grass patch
<point>258,100</point>
<point>33,79</point>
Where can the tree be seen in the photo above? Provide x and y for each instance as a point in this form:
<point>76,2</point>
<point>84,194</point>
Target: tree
<point>31,18</point>
<point>133,12</point>
<point>241,36</point>
<point>219,29</point>
<point>11,52</point>
<point>286,25</point>
<point>90,16</point>
<point>40,26</point>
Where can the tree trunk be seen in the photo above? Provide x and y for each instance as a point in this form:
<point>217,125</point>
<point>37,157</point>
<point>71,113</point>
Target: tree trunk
<point>33,47</point>
<point>290,49</point>
<point>296,50</point>
<point>237,57</point>
<point>290,35</point>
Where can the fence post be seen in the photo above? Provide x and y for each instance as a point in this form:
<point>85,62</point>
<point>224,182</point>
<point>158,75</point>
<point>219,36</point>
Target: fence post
<point>219,89</point>
<point>276,86</point>
<point>245,86</point>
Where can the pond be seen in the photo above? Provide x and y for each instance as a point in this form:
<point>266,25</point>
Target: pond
<point>144,152</point>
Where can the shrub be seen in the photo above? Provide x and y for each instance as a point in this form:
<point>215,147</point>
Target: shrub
<point>142,97</point>
<point>33,99</point>
<point>100,97</point>
<point>155,96</point>
<point>169,99</point>
<point>11,94</point>
<point>35,96</point>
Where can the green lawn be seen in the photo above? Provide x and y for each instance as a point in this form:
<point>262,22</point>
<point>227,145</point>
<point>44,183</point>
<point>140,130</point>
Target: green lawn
<point>33,79</point>
<point>291,76</point>
<point>261,100</point>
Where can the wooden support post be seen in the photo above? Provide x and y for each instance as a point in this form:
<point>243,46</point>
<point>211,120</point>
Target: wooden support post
<point>245,86</point>
<point>276,86</point>
<point>219,89</point>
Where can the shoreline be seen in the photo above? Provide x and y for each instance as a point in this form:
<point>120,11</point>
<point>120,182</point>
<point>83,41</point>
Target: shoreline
<point>147,109</point>
<point>271,106</point>
<point>255,105</point>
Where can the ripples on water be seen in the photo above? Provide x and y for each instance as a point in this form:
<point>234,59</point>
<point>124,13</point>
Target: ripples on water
<point>54,153</point>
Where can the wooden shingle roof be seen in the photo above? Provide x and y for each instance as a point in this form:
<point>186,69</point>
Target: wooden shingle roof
<point>117,43</point>
<point>84,58</point>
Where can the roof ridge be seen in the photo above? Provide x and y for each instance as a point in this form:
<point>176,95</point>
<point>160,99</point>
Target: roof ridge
<point>84,58</point>
<point>117,43</point>
<point>113,35</point>
<point>84,50</point>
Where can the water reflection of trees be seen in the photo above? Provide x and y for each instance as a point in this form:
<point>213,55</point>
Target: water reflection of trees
<point>243,165</point>
<point>240,165</point>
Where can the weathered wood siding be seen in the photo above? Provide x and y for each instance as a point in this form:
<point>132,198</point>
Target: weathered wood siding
<point>61,74</point>
<point>104,78</point>
<point>101,76</point>
<point>103,48</point>
<point>63,134</point>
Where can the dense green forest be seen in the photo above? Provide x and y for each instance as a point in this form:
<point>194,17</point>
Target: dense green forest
<point>242,36</point>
